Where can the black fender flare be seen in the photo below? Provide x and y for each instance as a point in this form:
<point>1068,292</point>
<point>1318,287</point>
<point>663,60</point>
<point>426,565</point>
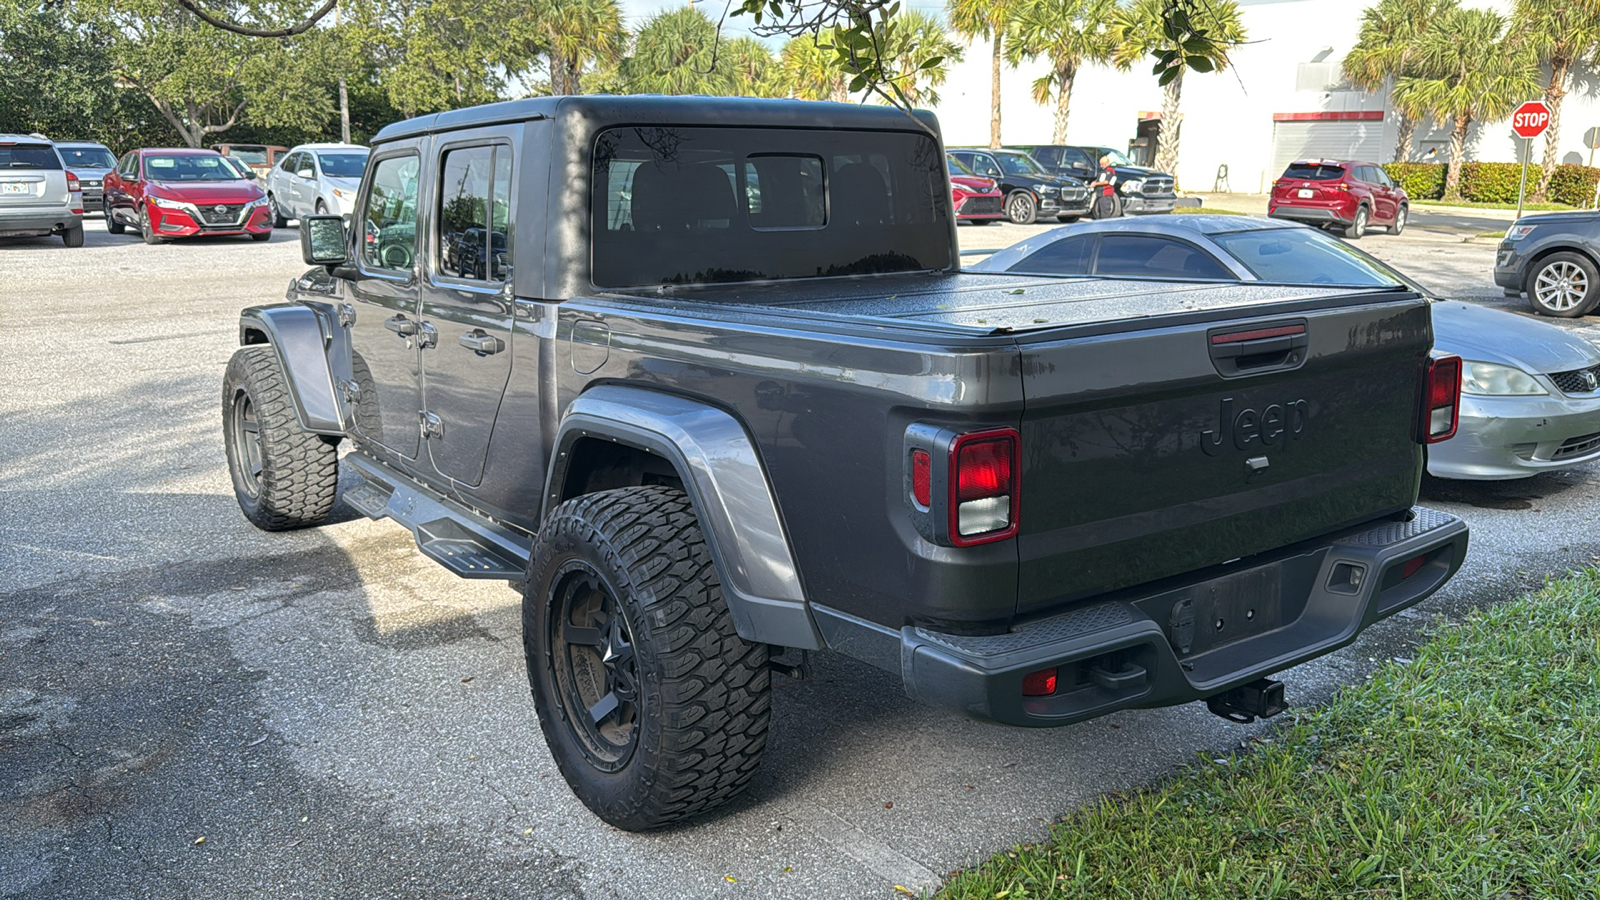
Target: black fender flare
<point>300,337</point>
<point>725,480</point>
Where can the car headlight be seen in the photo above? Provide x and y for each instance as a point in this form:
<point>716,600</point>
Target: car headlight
<point>1517,232</point>
<point>164,203</point>
<point>1131,186</point>
<point>1491,380</point>
<point>1045,188</point>
<point>259,201</point>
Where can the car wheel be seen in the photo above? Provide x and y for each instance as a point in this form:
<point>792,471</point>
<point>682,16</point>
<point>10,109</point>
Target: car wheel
<point>283,476</point>
<point>73,237</point>
<point>146,229</point>
<point>112,225</point>
<point>1564,284</point>
<point>322,208</point>
<point>981,222</point>
<point>278,221</point>
<point>652,705</point>
<point>1021,208</point>
<point>1399,221</point>
<point>1068,220</point>
<point>1359,227</point>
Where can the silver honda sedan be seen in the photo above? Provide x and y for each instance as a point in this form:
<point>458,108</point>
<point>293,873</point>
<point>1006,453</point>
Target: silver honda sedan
<point>1530,391</point>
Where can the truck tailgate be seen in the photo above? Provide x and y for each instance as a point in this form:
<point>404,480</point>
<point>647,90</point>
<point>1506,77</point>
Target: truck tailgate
<point>1159,451</point>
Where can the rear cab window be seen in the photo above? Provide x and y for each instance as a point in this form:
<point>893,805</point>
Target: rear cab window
<point>1313,172</point>
<point>695,205</point>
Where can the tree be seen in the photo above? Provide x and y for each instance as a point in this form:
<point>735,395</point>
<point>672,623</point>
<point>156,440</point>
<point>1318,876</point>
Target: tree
<point>988,19</point>
<point>1468,70</point>
<point>920,52</point>
<point>432,55</point>
<point>677,52</point>
<point>1562,33</point>
<point>811,71</point>
<point>1146,29</point>
<point>1391,33</point>
<point>578,34</point>
<point>1069,33</point>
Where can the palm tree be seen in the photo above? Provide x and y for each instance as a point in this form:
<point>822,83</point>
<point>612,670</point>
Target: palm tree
<point>810,70</point>
<point>1141,31</point>
<point>578,33</point>
<point>915,38</point>
<point>1070,33</point>
<point>676,52</point>
<point>1390,34</point>
<point>1562,33</point>
<point>987,19</point>
<point>1468,70</point>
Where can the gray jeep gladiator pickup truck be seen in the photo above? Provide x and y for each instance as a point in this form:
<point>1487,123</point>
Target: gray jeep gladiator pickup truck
<point>704,380</point>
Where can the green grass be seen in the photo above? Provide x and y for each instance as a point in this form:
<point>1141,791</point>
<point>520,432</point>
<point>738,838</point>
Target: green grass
<point>1473,772</point>
<point>1465,204</point>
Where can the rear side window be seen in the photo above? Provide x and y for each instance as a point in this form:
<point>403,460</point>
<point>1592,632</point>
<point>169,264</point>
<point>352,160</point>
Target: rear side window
<point>1313,172</point>
<point>695,205</point>
<point>1069,256</point>
<point>1142,256</point>
<point>1303,256</point>
<point>474,212</point>
<point>28,156</point>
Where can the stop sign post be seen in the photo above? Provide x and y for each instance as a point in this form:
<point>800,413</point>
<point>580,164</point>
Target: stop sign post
<point>1529,121</point>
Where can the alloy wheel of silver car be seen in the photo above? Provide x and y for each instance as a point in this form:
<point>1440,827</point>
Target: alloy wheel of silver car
<point>1561,285</point>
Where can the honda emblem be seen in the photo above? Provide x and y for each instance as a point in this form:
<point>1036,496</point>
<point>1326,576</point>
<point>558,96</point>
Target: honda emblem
<point>1591,380</point>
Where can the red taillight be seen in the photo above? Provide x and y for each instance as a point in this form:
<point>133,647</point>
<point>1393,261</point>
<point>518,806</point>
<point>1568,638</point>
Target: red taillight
<point>1441,409</point>
<point>984,487</point>
<point>1039,684</point>
<point>1342,186</point>
<point>1413,565</point>
<point>72,183</point>
<point>922,477</point>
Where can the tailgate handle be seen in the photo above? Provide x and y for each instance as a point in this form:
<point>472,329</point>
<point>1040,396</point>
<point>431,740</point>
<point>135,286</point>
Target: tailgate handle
<point>1266,349</point>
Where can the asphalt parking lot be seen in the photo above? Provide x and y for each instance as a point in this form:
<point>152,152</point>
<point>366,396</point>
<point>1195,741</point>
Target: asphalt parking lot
<point>192,708</point>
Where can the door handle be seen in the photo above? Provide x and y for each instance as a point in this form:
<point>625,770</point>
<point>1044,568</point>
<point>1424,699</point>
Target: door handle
<point>481,343</point>
<point>400,325</point>
<point>428,336</point>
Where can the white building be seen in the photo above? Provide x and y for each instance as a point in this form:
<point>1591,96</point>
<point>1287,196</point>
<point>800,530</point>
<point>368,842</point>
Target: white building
<point>1280,100</point>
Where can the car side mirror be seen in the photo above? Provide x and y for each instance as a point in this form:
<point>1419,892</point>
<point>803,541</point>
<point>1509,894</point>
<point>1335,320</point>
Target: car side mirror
<point>306,173</point>
<point>322,241</point>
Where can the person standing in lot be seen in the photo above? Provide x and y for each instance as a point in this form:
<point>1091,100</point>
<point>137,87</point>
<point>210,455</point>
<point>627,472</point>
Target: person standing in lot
<point>1106,205</point>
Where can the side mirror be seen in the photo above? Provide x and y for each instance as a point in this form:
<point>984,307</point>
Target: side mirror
<point>322,241</point>
<point>306,173</point>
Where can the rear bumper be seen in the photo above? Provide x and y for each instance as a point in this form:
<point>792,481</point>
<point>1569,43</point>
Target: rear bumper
<point>1318,215</point>
<point>1180,642</point>
<point>1508,266</point>
<point>1135,205</point>
<point>34,221</point>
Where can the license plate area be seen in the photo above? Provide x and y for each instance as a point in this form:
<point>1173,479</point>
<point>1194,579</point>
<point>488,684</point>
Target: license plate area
<point>1230,608</point>
<point>1306,193</point>
<point>16,187</point>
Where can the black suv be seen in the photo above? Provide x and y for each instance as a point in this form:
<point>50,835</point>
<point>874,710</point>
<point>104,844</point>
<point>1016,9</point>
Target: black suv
<point>1030,191</point>
<point>1554,258</point>
<point>1140,190</point>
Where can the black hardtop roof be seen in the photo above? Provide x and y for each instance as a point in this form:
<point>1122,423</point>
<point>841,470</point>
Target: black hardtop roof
<point>605,110</point>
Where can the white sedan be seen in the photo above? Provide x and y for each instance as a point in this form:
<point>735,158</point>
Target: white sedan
<point>315,179</point>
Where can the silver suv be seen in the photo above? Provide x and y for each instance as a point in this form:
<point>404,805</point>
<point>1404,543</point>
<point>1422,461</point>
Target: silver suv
<point>38,195</point>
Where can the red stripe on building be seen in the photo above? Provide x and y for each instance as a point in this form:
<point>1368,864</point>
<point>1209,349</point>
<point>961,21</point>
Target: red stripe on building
<point>1371,116</point>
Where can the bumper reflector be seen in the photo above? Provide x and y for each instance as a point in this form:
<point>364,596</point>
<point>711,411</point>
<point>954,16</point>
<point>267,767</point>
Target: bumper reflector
<point>1039,684</point>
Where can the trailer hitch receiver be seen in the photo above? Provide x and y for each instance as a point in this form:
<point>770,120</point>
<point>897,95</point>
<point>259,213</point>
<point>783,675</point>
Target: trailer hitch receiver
<point>1260,699</point>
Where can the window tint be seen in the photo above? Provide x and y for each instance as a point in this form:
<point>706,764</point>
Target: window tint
<point>985,166</point>
<point>1069,256</point>
<point>87,157</point>
<point>1313,172</point>
<point>1077,159</point>
<point>705,205</point>
<point>28,156</point>
<point>252,156</point>
<point>188,168</point>
<point>129,167</point>
<point>288,162</point>
<point>1143,256</point>
<point>1303,256</point>
<point>957,167</point>
<point>343,165</point>
<point>389,223</point>
<point>474,212</point>
<point>1017,164</point>
<point>1048,156</point>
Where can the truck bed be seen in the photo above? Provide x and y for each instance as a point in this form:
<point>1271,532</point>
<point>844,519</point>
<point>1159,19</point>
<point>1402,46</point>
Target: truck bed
<point>991,303</point>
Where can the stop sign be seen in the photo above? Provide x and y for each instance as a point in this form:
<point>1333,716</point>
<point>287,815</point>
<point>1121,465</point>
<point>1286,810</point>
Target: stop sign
<point>1531,119</point>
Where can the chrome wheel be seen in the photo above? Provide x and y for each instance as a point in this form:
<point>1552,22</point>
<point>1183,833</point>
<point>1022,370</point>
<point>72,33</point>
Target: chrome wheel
<point>596,673</point>
<point>1561,286</point>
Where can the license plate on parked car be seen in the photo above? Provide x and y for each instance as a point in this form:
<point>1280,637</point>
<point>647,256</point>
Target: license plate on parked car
<point>16,188</point>
<point>1306,193</point>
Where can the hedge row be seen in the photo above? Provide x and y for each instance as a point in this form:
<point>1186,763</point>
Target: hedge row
<point>1488,182</point>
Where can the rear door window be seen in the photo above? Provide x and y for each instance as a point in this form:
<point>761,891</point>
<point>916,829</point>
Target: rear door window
<point>1313,172</point>
<point>474,212</point>
<point>1145,256</point>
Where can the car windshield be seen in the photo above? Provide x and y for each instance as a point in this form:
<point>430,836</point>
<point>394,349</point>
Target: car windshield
<point>87,157</point>
<point>1118,158</point>
<point>1313,172</point>
<point>188,168</point>
<point>1304,256</point>
<point>342,165</point>
<point>28,156</point>
<point>252,156</point>
<point>955,166</point>
<point>1017,164</point>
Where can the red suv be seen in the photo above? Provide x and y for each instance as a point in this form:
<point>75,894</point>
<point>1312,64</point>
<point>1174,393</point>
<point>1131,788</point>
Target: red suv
<point>1351,195</point>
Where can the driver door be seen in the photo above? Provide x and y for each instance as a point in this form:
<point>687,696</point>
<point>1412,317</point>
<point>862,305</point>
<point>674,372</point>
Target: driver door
<point>385,330</point>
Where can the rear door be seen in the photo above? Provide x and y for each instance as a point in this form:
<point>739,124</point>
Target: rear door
<point>466,297</point>
<point>1162,450</point>
<point>385,334</point>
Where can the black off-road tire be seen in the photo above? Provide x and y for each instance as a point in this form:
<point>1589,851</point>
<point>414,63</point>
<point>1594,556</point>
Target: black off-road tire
<point>701,694</point>
<point>283,476</point>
